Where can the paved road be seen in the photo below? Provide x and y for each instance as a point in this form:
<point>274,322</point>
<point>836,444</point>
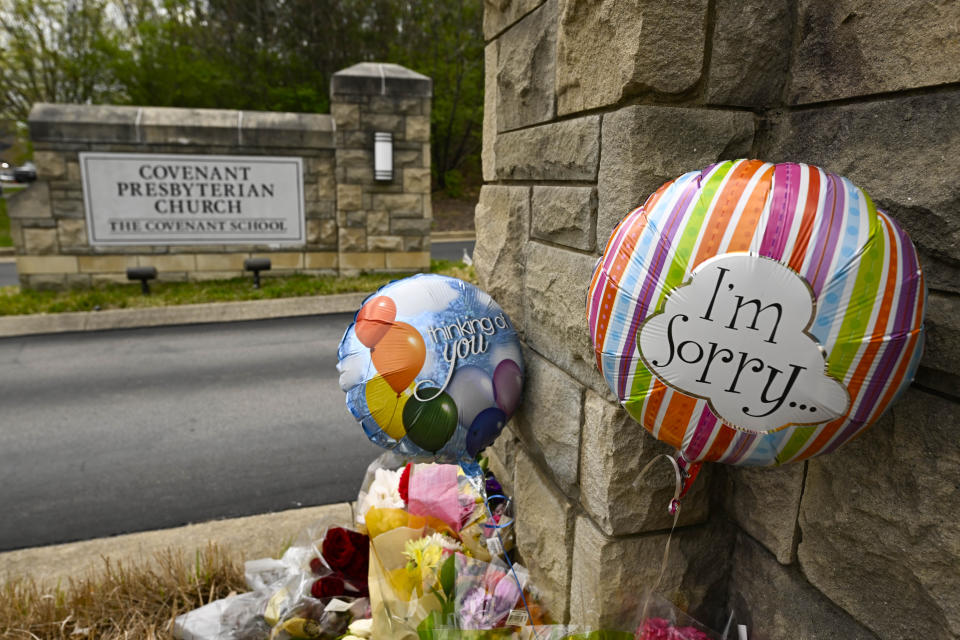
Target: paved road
<point>118,431</point>
<point>451,250</point>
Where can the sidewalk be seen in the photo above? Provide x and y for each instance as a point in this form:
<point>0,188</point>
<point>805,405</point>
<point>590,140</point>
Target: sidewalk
<point>183,314</point>
<point>251,537</point>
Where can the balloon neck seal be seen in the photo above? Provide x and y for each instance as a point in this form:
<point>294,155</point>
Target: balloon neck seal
<point>688,475</point>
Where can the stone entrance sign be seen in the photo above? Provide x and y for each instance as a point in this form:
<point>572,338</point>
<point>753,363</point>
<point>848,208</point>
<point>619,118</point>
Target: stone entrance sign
<point>195,192</point>
<point>188,199</point>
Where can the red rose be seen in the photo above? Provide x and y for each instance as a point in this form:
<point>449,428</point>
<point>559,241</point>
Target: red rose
<point>348,554</point>
<point>338,548</point>
<point>359,565</point>
<point>316,566</point>
<point>327,587</point>
<point>404,487</point>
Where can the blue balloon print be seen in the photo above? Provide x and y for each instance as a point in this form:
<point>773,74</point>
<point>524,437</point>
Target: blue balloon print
<point>485,428</point>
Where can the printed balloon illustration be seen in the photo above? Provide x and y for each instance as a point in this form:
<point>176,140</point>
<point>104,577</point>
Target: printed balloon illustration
<point>432,368</point>
<point>508,385</point>
<point>386,405</point>
<point>375,319</point>
<point>472,389</point>
<point>757,314</point>
<point>430,423</point>
<point>399,355</point>
<point>484,429</point>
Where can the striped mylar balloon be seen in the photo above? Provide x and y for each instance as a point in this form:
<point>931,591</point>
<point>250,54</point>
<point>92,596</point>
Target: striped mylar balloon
<point>696,311</point>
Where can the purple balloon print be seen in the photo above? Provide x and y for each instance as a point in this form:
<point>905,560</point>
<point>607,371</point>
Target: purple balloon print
<point>507,386</point>
<point>485,428</point>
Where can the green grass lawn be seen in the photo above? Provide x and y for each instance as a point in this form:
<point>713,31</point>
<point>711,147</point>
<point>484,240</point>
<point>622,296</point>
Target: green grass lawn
<point>163,294</point>
<point>5,239</point>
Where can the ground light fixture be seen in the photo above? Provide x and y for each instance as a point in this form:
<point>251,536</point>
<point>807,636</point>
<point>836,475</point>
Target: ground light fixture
<point>256,265</point>
<point>143,274</point>
<point>383,156</point>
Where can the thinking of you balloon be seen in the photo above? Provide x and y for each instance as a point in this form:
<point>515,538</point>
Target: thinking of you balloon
<point>757,314</point>
<point>432,368</point>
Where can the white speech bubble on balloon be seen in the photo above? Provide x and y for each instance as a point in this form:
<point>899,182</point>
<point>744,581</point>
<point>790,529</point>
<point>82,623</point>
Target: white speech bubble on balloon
<point>737,336</point>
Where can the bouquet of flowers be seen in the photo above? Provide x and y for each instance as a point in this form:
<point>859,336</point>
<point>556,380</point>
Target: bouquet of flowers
<point>314,591</point>
<point>546,632</point>
<point>326,586</point>
<point>486,592</point>
<point>318,619</point>
<point>420,517</point>
<point>663,621</point>
<point>408,555</point>
<point>444,492</point>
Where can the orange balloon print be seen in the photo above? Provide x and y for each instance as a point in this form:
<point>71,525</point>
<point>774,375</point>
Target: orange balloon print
<point>399,355</point>
<point>375,319</point>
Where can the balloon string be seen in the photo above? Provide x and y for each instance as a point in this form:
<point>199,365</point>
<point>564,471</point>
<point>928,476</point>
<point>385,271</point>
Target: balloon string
<point>674,508</point>
<point>396,405</point>
<point>416,389</point>
<point>477,480</point>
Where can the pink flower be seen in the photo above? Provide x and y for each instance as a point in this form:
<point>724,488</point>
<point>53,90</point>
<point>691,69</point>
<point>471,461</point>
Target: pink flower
<point>655,629</point>
<point>505,596</point>
<point>492,578</point>
<point>661,629</point>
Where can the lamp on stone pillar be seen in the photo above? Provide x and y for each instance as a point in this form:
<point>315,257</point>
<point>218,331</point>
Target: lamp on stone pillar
<point>383,156</point>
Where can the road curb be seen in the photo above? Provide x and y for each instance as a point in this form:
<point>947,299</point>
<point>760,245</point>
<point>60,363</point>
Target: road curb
<point>251,537</point>
<point>452,236</point>
<point>11,326</point>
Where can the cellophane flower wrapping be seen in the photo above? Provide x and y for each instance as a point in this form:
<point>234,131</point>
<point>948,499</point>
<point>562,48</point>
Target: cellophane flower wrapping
<point>443,512</point>
<point>408,554</point>
<point>441,491</point>
<point>486,592</point>
<point>314,590</point>
<point>380,487</point>
<point>663,621</point>
<point>544,632</point>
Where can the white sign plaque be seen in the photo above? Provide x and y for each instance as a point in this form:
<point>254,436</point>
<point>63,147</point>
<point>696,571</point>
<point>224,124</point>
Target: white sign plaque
<point>135,199</point>
<point>737,335</point>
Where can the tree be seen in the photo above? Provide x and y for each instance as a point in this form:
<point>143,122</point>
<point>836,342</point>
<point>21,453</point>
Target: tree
<point>276,55</point>
<point>55,51</point>
<point>444,40</point>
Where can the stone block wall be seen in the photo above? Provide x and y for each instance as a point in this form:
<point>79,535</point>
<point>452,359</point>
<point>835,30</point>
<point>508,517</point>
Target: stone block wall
<point>590,106</point>
<point>353,222</point>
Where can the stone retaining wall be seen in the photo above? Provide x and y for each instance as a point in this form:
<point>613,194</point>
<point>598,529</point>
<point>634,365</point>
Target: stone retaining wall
<point>590,106</point>
<point>353,223</point>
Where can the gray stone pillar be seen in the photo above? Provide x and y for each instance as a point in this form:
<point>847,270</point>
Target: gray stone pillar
<point>383,224</point>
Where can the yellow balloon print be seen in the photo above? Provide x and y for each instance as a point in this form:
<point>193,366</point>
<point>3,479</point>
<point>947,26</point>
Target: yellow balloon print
<point>386,405</point>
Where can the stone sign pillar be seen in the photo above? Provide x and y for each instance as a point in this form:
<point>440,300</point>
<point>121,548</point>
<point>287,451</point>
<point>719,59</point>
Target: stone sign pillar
<point>384,224</point>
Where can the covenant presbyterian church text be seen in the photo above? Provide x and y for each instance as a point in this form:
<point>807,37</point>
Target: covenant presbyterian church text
<point>195,189</point>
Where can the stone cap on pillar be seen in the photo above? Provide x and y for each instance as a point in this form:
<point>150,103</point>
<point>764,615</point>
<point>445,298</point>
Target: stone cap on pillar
<point>178,126</point>
<point>380,79</point>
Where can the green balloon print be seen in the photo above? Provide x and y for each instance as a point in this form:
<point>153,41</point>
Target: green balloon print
<point>430,423</point>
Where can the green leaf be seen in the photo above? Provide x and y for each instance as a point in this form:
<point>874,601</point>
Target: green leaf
<point>448,576</point>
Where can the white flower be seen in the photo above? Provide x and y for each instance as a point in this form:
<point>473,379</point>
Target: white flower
<point>384,493</point>
<point>361,628</point>
<point>445,542</point>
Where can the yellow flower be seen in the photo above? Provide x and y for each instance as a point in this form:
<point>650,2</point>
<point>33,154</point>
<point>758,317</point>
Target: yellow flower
<point>426,553</point>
